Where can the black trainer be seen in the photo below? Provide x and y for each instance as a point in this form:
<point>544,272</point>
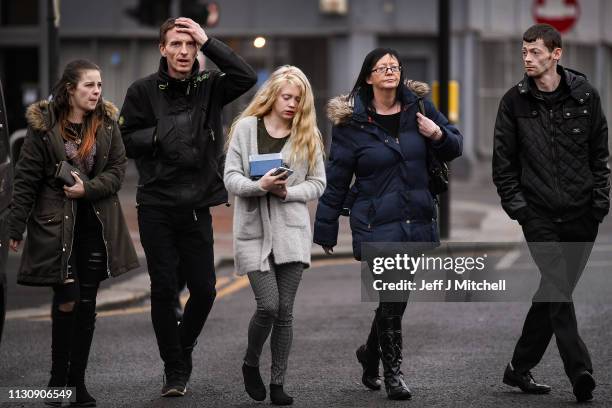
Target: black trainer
<point>174,383</point>
<point>524,381</point>
<point>584,384</point>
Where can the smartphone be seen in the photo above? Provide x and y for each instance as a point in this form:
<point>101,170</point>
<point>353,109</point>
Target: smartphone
<point>281,170</point>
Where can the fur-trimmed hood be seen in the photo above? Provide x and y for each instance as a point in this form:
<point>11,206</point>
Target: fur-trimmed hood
<point>41,118</point>
<point>340,108</point>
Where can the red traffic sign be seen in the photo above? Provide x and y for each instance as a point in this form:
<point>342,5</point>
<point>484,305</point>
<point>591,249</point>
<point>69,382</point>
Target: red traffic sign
<point>561,14</point>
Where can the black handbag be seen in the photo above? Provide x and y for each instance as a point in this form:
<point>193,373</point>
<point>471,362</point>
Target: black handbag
<point>436,168</point>
<point>64,173</point>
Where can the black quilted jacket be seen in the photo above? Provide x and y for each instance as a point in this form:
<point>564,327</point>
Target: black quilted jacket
<point>552,159</point>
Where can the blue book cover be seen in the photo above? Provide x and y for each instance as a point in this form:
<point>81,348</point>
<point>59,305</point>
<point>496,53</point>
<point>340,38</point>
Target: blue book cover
<point>260,164</point>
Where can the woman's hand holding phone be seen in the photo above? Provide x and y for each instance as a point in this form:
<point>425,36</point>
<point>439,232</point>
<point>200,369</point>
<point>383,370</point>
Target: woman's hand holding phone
<point>272,183</point>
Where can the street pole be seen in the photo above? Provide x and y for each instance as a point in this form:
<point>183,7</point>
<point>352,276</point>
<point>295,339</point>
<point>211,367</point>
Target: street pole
<point>53,19</point>
<point>443,79</point>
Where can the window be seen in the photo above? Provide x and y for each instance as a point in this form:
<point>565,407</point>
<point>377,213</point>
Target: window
<point>500,67</point>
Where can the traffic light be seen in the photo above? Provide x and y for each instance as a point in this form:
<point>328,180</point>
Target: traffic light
<point>206,13</point>
<point>150,12</point>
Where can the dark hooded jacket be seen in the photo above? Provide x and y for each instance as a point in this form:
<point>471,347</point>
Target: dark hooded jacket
<point>39,202</point>
<point>172,128</point>
<point>552,158</point>
<point>392,201</point>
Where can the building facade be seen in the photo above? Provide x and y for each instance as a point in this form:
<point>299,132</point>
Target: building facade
<point>329,47</point>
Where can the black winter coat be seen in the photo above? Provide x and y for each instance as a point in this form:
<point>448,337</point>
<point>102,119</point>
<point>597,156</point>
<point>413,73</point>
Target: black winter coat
<point>172,128</point>
<point>40,203</point>
<point>552,159</point>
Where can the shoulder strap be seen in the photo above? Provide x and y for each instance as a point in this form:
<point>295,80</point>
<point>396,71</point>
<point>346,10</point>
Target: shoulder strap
<point>422,107</point>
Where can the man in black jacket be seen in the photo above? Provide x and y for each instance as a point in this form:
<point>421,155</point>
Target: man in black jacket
<point>550,166</point>
<point>171,126</point>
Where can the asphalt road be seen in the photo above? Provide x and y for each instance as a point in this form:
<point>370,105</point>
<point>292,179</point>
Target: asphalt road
<point>454,353</point>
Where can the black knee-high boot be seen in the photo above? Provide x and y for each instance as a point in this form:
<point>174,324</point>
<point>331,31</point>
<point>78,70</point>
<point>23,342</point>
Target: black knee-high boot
<point>390,339</point>
<point>369,356</point>
<point>62,324</point>
<point>83,336</point>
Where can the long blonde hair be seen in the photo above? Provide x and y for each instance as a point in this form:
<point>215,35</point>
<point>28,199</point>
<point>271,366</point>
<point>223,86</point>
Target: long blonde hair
<point>306,141</point>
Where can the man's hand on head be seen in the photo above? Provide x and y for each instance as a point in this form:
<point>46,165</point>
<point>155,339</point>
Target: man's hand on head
<point>187,25</point>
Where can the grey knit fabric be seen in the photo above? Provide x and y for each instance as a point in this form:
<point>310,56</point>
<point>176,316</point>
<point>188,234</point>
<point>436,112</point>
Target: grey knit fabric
<point>275,292</point>
<point>265,223</point>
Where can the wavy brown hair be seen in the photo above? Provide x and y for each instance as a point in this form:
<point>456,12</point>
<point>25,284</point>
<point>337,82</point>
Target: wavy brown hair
<point>61,105</point>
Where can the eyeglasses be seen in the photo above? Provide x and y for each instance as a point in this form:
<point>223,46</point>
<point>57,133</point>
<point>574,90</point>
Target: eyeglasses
<point>383,70</point>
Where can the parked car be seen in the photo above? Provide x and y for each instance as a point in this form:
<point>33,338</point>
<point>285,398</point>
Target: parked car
<point>6,191</point>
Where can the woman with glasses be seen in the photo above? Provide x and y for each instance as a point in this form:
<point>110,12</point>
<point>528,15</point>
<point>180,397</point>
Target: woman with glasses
<point>380,139</point>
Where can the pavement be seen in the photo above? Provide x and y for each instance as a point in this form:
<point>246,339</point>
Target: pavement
<point>475,216</point>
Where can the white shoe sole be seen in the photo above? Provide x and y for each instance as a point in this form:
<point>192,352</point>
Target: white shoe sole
<point>174,392</point>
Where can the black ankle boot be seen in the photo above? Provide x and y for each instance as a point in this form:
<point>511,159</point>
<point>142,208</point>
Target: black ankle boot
<point>369,362</point>
<point>83,337</point>
<point>278,396</point>
<point>253,384</point>
<point>62,324</point>
<point>390,339</point>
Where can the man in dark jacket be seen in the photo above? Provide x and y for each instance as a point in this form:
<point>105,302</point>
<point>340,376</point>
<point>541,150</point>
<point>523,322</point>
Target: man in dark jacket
<point>171,126</point>
<point>550,166</point>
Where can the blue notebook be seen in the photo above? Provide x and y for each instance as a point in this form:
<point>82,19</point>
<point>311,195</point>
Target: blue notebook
<point>260,164</point>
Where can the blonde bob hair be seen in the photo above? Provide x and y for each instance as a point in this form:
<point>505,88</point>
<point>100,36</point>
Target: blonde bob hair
<point>305,137</point>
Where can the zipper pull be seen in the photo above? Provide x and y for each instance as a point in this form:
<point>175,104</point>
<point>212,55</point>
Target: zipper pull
<point>195,217</point>
<point>212,134</point>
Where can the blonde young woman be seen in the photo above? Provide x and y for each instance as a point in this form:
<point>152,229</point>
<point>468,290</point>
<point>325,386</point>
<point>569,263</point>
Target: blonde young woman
<point>272,235</point>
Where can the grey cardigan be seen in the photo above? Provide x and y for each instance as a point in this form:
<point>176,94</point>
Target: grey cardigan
<point>284,228</point>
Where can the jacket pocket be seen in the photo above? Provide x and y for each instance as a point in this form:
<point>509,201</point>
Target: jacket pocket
<point>247,219</point>
<point>576,123</point>
<point>47,218</point>
<point>48,209</point>
<point>44,246</point>
<point>295,214</point>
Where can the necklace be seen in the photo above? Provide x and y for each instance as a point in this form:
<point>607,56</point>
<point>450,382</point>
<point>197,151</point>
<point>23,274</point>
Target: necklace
<point>75,132</point>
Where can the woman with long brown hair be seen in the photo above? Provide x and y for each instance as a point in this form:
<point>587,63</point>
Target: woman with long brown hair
<point>76,233</point>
